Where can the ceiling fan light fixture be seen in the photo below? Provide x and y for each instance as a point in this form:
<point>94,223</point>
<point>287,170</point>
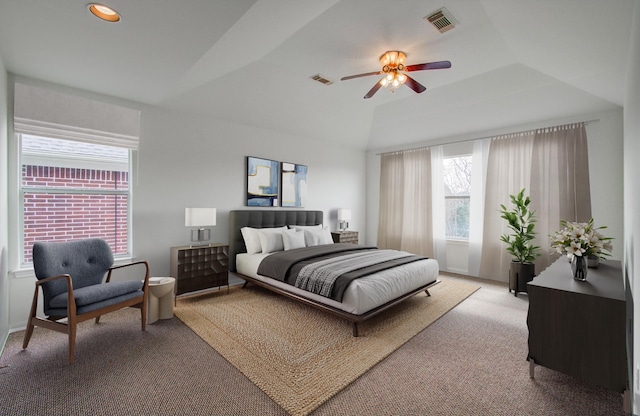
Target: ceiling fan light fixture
<point>103,12</point>
<point>393,68</point>
<point>393,59</point>
<point>393,80</point>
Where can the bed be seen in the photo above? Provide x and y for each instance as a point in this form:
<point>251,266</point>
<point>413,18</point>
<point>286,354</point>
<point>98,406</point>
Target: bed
<point>365,295</point>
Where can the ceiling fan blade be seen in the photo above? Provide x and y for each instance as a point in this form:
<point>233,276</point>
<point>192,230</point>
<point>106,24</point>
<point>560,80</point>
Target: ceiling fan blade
<point>373,90</point>
<point>414,85</point>
<point>429,65</point>
<point>360,75</point>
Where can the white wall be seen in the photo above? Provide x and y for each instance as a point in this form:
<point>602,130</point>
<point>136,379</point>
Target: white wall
<point>195,161</point>
<point>4,285</point>
<point>632,192</point>
<point>605,139</point>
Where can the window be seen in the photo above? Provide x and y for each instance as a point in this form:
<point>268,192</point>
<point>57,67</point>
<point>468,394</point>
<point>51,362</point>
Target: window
<point>71,177</point>
<point>71,190</point>
<point>456,173</point>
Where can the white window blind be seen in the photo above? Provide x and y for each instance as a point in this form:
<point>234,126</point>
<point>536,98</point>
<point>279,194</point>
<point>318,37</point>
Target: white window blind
<point>48,113</point>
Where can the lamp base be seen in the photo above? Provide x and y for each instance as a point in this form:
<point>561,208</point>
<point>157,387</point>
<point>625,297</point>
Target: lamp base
<point>343,225</point>
<point>201,236</point>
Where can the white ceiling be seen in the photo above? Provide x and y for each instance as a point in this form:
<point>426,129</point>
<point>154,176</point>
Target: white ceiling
<point>250,61</point>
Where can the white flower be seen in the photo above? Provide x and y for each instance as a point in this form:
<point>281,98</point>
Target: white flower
<point>608,245</point>
<point>581,239</point>
<point>575,248</point>
<point>576,233</point>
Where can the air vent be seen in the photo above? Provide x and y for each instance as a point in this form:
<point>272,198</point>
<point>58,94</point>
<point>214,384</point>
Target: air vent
<point>321,79</point>
<point>442,20</point>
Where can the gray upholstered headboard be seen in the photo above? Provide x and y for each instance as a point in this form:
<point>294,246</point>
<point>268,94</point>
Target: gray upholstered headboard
<point>263,219</point>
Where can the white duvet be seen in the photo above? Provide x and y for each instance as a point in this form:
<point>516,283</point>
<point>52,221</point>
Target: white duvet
<point>362,294</point>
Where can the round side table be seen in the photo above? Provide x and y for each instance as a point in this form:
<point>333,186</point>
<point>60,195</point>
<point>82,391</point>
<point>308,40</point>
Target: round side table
<point>160,298</point>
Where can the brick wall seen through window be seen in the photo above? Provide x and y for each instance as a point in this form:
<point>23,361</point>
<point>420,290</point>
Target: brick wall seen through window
<point>58,215</point>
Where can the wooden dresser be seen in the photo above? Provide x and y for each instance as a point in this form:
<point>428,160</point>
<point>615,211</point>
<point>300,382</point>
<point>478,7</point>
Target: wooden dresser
<point>578,328</point>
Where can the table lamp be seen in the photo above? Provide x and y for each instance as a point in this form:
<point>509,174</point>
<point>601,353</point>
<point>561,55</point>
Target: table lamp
<point>344,216</point>
<point>198,219</point>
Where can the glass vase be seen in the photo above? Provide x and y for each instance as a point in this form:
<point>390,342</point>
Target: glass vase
<point>579,268</point>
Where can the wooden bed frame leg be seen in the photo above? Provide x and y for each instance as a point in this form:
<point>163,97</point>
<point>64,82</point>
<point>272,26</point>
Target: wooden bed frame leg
<point>246,282</point>
<point>354,325</point>
<point>427,292</point>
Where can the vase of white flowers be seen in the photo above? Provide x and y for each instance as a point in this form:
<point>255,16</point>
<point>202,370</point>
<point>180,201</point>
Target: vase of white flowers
<point>580,241</point>
<point>579,268</point>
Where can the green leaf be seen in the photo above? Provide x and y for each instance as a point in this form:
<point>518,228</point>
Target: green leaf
<point>521,221</point>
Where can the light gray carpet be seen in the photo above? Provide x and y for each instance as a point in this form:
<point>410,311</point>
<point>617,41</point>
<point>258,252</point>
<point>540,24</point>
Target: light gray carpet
<point>469,362</point>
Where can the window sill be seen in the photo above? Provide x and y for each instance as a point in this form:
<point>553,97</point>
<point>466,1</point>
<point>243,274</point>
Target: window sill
<point>22,273</point>
<point>457,241</point>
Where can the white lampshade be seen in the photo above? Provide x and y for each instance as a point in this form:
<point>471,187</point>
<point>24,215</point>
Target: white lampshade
<point>344,214</point>
<point>199,217</point>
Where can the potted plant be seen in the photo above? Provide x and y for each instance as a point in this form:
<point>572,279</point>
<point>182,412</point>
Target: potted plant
<point>521,221</point>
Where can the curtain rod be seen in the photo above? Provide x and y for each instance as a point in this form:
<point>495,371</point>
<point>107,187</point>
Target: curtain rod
<point>587,122</point>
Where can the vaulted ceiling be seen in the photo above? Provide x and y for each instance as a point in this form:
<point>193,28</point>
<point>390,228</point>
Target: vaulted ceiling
<point>250,61</point>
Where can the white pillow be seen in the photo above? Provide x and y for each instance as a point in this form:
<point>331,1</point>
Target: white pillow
<point>271,239</point>
<point>316,237</point>
<point>306,227</point>
<point>252,240</point>
<point>293,239</point>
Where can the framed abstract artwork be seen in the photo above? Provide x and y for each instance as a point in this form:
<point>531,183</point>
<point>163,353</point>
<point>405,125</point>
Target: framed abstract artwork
<point>262,182</point>
<point>294,185</point>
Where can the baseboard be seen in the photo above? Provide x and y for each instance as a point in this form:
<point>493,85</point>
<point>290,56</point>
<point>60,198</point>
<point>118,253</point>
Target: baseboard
<point>3,342</point>
<point>456,271</point>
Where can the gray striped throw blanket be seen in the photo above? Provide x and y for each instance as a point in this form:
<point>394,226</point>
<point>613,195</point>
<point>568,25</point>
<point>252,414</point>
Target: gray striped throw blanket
<point>320,276</point>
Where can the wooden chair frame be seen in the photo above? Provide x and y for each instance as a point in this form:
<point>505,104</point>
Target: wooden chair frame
<point>69,328</point>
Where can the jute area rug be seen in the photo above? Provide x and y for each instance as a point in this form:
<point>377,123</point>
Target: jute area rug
<point>300,356</point>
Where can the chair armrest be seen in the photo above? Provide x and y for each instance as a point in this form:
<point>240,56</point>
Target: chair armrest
<point>71,302</point>
<point>60,276</point>
<point>135,263</point>
<point>146,263</point>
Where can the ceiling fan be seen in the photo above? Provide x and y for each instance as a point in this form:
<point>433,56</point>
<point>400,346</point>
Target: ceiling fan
<point>394,68</point>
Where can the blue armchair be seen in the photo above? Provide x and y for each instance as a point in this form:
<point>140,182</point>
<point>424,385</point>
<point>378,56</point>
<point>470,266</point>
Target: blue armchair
<point>71,276</point>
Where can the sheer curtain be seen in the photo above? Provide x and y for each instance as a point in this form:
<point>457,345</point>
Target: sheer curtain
<point>559,183</point>
<point>405,202</point>
<point>438,206</point>
<point>479,163</point>
<point>391,200</point>
<point>552,165</point>
<point>508,171</point>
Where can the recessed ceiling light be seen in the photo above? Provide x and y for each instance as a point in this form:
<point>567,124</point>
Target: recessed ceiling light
<point>104,12</point>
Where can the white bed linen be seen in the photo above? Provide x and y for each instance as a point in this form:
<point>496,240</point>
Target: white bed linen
<point>362,294</point>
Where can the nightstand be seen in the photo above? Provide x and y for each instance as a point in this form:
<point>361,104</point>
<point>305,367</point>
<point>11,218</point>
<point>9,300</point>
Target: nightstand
<point>345,237</point>
<point>201,267</point>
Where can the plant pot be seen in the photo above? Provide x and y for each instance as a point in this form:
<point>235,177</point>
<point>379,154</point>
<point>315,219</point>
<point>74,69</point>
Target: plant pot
<point>519,275</point>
